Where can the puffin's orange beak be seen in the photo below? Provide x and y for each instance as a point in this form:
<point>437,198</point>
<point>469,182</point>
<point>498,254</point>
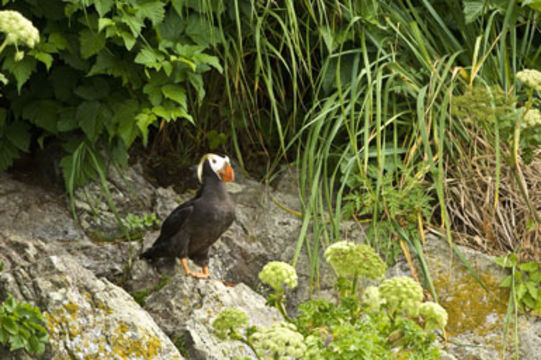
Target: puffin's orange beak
<point>227,174</point>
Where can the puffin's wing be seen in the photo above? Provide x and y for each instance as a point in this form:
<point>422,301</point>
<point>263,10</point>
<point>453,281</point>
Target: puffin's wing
<point>171,227</point>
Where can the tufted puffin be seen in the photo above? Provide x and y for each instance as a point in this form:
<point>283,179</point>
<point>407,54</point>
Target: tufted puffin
<point>191,229</point>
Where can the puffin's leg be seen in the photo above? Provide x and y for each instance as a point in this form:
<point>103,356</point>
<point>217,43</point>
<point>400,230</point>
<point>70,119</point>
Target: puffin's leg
<point>203,275</point>
<point>184,262</point>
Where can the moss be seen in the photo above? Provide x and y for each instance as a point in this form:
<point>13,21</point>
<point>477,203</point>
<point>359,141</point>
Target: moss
<point>470,308</point>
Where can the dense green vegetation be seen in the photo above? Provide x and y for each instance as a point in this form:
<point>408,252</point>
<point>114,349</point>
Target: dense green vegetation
<point>392,110</point>
<point>384,323</point>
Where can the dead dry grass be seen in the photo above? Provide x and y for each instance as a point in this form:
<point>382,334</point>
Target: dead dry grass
<point>479,219</point>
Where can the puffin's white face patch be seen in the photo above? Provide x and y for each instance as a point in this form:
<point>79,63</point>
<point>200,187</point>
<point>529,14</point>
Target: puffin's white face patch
<point>216,162</point>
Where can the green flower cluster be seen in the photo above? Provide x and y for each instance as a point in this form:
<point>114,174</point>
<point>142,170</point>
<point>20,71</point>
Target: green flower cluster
<point>372,299</point>
<point>402,294</point>
<point>228,321</point>
<point>279,341</point>
<point>18,29</point>
<point>349,259</point>
<point>532,117</point>
<point>434,315</point>
<point>277,273</point>
<point>530,77</point>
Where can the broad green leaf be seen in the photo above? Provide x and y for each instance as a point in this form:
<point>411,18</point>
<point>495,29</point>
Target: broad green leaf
<point>133,23</point>
<point>506,282</point>
<point>93,89</point>
<point>103,6</point>
<point>175,93</point>
<point>87,118</point>
<point>109,64</point>
<point>144,120</point>
<point>521,290</point>
<point>17,133</point>
<point>9,324</point>
<point>16,342</point>
<point>8,153</point>
<point>201,31</point>
<point>66,119</point>
<point>209,60</point>
<point>43,113</point>
<point>473,9</point>
<point>529,266</point>
<point>91,43</point>
<point>170,112</point>
<point>154,93</point>
<point>21,70</point>
<point>125,117</point>
<point>534,4</point>
<point>43,57</point>
<point>58,40</point>
<point>172,27</point>
<point>196,80</point>
<point>150,58</point>
<point>532,289</point>
<point>153,10</point>
<point>104,23</point>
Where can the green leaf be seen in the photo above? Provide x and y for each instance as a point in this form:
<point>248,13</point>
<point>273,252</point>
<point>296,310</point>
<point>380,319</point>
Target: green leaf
<point>169,112</point>
<point>17,133</point>
<point>506,261</point>
<point>125,117</point>
<point>473,9</point>
<point>58,40</point>
<point>144,120</point>
<point>87,118</point>
<point>532,289</point>
<point>91,43</point>
<point>8,153</point>
<point>43,57</point>
<point>172,27</point>
<point>529,266</point>
<point>104,23</point>
<point>153,10</point>
<point>210,60</point>
<point>150,58</point>
<point>154,93</point>
<point>175,93</point>
<point>21,70</point>
<point>10,325</point>
<point>521,290</point>
<point>506,282</point>
<point>200,31</point>
<point>43,113</point>
<point>103,6</point>
<point>534,4</point>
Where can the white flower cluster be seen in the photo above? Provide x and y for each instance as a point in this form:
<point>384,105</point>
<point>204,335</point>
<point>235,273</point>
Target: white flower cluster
<point>402,294</point>
<point>530,77</point>
<point>279,341</point>
<point>18,29</point>
<point>434,315</point>
<point>532,117</point>
<point>348,259</point>
<point>372,299</point>
<point>277,273</point>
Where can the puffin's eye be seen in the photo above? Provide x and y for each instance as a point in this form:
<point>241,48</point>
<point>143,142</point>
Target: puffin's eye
<point>213,161</point>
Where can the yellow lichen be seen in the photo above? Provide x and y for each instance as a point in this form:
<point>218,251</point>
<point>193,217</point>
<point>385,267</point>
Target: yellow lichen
<point>470,307</point>
<point>126,347</point>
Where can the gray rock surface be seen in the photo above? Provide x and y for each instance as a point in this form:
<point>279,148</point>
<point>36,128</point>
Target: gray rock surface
<point>187,306</point>
<point>476,318</point>
<point>86,317</point>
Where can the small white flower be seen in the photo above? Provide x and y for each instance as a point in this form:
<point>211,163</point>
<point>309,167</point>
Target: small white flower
<point>277,273</point>
<point>531,118</point>
<point>531,78</point>
<point>18,29</point>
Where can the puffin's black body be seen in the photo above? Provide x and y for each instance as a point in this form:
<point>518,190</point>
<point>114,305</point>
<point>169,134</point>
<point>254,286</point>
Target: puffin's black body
<point>191,229</point>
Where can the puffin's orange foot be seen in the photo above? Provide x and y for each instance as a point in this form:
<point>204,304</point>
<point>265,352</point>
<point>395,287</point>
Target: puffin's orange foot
<point>199,275</point>
<point>227,283</point>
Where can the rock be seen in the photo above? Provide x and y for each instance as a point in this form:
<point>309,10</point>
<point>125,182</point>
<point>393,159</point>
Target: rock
<point>186,307</point>
<point>86,317</point>
<point>476,318</point>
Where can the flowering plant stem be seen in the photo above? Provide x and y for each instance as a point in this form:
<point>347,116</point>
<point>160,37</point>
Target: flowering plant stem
<point>279,303</point>
<point>234,335</point>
